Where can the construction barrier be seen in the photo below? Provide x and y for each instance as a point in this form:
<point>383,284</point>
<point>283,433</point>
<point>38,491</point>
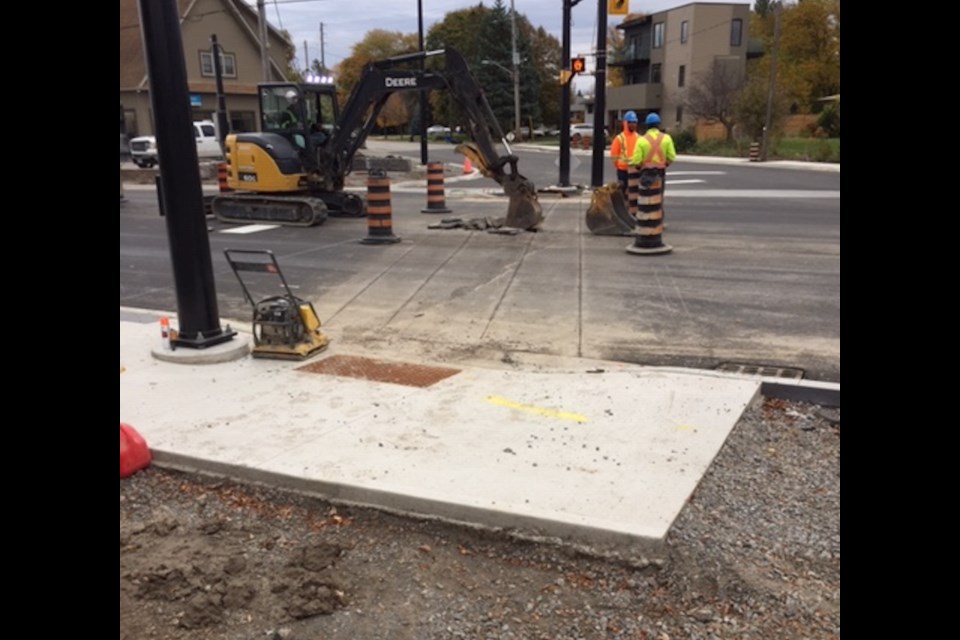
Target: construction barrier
<point>222,177</point>
<point>754,152</point>
<point>436,200</point>
<point>649,231</point>
<point>379,210</point>
<point>633,189</point>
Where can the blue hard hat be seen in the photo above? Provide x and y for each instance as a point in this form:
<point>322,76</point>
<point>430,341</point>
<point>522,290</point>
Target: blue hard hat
<point>630,116</point>
<point>652,119</point>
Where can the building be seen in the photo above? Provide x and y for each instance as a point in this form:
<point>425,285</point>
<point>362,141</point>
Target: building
<point>236,26</point>
<point>664,52</point>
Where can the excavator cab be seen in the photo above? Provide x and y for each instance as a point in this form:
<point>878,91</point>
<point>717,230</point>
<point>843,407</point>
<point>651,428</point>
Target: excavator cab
<point>304,114</point>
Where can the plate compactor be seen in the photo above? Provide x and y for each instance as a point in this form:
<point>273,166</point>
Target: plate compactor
<point>285,326</point>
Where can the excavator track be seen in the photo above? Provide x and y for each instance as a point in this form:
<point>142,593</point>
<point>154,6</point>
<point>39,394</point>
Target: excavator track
<point>292,211</point>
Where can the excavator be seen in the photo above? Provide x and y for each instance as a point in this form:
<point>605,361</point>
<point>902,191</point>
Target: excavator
<point>292,172</point>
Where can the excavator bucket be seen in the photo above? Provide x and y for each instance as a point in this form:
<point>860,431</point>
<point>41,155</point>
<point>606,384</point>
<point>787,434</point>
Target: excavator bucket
<point>607,214</point>
<point>523,210</point>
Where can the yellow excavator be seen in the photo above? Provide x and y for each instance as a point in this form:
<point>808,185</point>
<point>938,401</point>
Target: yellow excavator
<point>292,172</point>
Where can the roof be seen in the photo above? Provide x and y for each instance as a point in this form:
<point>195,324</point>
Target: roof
<point>133,69</point>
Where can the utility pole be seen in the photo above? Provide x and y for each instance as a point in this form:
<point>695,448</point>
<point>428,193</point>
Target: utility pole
<point>323,62</point>
<point>516,70</point>
<point>771,89</point>
<point>223,125</point>
<point>600,98</point>
<point>264,45</point>
<point>306,58</point>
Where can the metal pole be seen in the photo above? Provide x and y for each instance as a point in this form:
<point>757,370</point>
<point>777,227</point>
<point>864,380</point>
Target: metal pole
<point>771,89</point>
<point>306,58</point>
<point>180,192</point>
<point>565,98</point>
<point>516,70</point>
<point>323,61</point>
<point>423,94</point>
<point>223,124</point>
<point>600,98</point>
<point>264,45</point>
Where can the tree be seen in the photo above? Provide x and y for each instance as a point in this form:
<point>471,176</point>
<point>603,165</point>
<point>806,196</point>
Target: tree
<point>616,50</point>
<point>481,33</point>
<point>808,67</point>
<point>714,93</point>
<point>378,44</point>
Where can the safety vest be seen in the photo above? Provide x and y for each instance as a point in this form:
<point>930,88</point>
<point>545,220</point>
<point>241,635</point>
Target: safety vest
<point>623,160</point>
<point>655,157</point>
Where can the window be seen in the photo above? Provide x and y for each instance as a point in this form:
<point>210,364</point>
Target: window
<point>682,75</point>
<point>684,31</point>
<point>228,64</point>
<point>655,73</point>
<point>658,35</point>
<point>736,32</point>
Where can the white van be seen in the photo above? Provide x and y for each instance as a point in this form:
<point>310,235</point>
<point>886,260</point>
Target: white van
<point>143,150</point>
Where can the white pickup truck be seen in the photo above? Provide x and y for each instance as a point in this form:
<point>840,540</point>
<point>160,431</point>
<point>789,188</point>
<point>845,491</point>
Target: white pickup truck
<point>143,149</point>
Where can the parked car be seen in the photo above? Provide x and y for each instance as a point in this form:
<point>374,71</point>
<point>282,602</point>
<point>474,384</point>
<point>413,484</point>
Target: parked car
<point>584,130</point>
<point>143,149</point>
<point>438,130</point>
<point>543,131</point>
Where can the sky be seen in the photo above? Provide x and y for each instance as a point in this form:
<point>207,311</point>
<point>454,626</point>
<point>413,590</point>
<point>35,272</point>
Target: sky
<point>346,22</point>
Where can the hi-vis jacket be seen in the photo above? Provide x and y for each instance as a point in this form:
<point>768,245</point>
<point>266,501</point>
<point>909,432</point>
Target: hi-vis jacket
<point>621,149</point>
<point>654,150</point>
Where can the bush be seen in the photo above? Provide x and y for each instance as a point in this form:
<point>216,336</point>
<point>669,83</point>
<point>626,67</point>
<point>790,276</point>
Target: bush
<point>685,141</point>
<point>829,121</point>
<point>826,152</point>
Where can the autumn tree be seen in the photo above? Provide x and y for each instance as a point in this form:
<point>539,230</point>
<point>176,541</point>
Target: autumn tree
<point>378,44</point>
<point>808,64</point>
<point>714,93</point>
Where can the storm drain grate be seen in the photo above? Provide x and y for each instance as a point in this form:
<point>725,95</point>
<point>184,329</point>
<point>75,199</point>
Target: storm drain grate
<point>761,370</point>
<point>411,375</point>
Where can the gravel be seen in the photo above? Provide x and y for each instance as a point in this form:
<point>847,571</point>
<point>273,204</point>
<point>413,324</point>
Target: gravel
<point>754,554</point>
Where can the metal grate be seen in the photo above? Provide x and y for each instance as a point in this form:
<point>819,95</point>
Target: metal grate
<point>766,371</point>
<point>411,375</point>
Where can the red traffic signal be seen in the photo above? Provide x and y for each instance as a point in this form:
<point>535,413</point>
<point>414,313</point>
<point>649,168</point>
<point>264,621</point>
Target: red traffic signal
<point>578,65</point>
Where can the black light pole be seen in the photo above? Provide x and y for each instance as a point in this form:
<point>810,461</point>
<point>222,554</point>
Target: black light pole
<point>565,98</point>
<point>423,94</point>
<point>181,192</point>
<point>600,98</point>
<point>223,125</point>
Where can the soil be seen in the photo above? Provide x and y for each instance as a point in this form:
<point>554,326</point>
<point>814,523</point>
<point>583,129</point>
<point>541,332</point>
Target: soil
<point>754,554</point>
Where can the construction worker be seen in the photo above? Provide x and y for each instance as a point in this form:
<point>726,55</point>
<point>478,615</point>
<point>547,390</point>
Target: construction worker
<point>622,147</point>
<point>654,149</point>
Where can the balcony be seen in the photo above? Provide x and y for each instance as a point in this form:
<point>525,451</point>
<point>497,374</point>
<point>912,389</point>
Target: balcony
<point>635,96</point>
<point>629,56</point>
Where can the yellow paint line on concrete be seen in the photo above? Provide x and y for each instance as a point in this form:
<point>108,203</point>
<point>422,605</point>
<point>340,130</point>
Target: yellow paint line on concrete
<point>540,411</point>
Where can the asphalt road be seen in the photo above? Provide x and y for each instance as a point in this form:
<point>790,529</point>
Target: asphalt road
<point>754,277</point>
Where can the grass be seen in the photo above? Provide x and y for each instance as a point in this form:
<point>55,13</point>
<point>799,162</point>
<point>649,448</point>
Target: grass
<point>804,149</point>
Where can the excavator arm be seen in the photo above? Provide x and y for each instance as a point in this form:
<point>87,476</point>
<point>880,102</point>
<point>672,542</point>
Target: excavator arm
<point>381,79</point>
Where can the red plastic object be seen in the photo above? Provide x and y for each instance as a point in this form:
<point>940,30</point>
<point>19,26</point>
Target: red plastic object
<point>134,454</point>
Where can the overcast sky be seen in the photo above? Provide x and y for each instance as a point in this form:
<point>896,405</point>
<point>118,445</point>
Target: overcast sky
<point>346,22</point>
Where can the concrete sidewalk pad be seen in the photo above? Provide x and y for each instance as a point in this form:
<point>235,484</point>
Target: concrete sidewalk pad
<point>601,455</point>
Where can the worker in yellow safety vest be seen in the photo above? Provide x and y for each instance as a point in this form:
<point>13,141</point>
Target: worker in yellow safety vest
<point>654,151</point>
<point>621,149</point>
<point>654,148</point>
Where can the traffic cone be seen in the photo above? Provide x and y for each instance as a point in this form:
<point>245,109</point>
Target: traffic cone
<point>467,166</point>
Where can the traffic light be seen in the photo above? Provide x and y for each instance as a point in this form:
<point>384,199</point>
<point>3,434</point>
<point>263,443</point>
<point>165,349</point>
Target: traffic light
<point>578,65</point>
